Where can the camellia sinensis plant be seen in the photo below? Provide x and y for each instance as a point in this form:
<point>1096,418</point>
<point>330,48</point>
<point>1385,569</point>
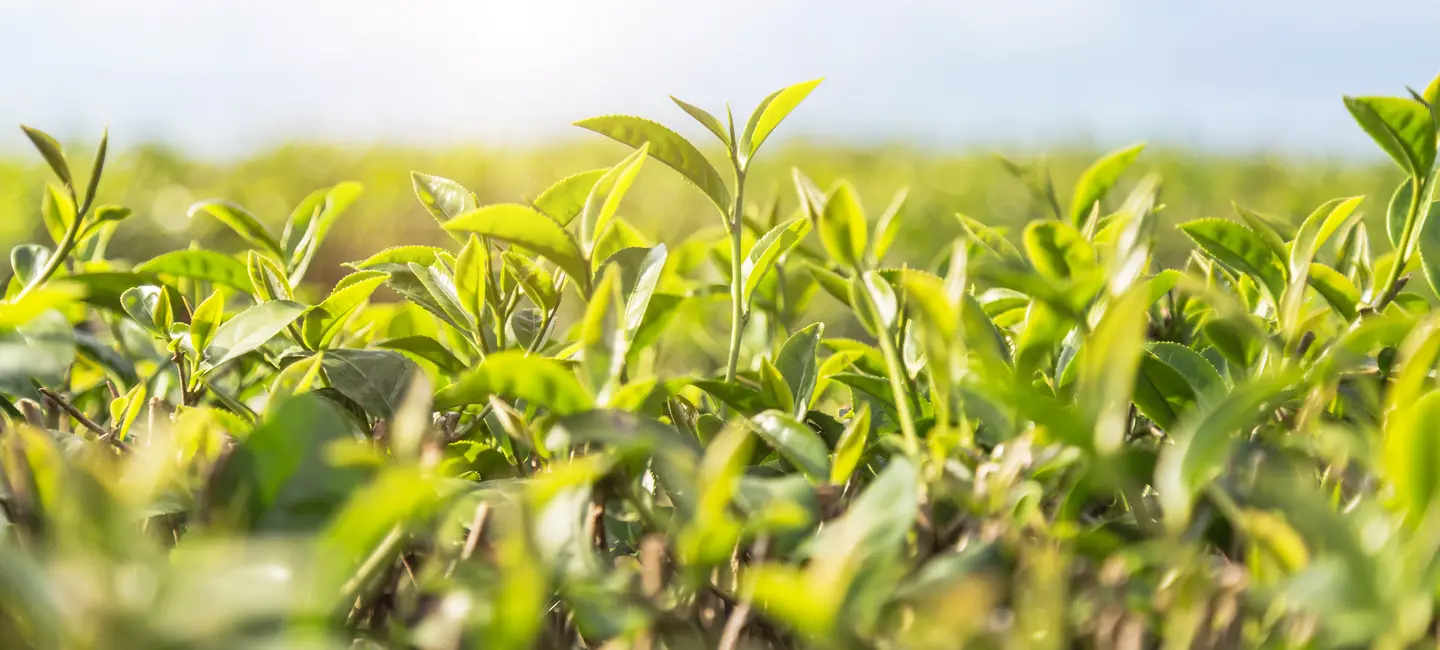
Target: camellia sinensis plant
<point>1039,440</point>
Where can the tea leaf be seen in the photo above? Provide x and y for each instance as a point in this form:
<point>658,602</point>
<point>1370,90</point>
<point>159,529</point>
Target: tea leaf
<point>241,222</point>
<point>524,226</point>
<point>771,111</point>
<point>250,329</point>
<point>667,147</point>
<point>798,443</point>
<point>842,226</point>
<point>1403,128</point>
<point>1097,180</point>
<point>705,119</point>
<point>205,265</point>
<point>512,374</point>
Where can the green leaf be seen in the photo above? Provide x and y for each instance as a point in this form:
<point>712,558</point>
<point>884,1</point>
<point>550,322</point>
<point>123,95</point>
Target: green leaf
<point>278,478</point>
<point>402,256</point>
<point>203,265</point>
<point>1202,376</point>
<point>150,307</point>
<point>767,251</point>
<point>440,287</point>
<point>206,319</point>
<point>1427,238</point>
<point>667,147</point>
<point>472,278</point>
<point>1057,250</point>
<point>851,447</point>
<point>58,211</point>
<point>1403,128</point>
<point>1336,289</point>
<point>797,363</point>
<point>426,348</point>
<point>888,226</point>
<point>1203,439</point>
<point>842,226</point>
<point>53,295</point>
<point>533,230</point>
<point>705,119</point>
<point>772,383</point>
<point>251,329</point>
<point>1411,455</point>
<point>377,380</point>
<point>1097,180</point>
<point>879,312</point>
<point>534,281</point>
<point>564,200</point>
<point>1267,227</point>
<point>771,111</point>
<point>1239,248</point>
<point>311,222</point>
<point>604,199</point>
<point>1333,216</point>
<point>104,289</point>
<point>838,286</point>
<point>1397,211</point>
<point>267,279</point>
<point>1161,392</point>
<point>443,198</point>
<point>103,215</point>
<point>54,157</point>
<point>27,260</point>
<point>38,352</point>
<point>512,374</point>
<point>797,442</point>
<point>126,409</point>
<point>240,221</point>
<point>602,336</point>
<point>986,238</point>
<point>1107,375</point>
<point>324,321</point>
<point>648,277</point>
<point>741,397</point>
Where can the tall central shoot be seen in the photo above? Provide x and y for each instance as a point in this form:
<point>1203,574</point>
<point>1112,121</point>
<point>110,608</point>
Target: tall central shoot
<point>679,154</point>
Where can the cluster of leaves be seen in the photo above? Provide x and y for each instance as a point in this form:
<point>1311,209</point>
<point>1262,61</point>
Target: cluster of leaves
<point>1047,444</point>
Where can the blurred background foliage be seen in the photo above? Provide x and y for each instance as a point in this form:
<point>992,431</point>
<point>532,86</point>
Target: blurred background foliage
<point>160,184</point>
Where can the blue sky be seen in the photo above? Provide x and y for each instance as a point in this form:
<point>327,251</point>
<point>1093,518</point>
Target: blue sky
<point>227,77</point>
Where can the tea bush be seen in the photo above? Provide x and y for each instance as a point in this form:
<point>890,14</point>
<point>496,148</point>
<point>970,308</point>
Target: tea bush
<point>1044,440</point>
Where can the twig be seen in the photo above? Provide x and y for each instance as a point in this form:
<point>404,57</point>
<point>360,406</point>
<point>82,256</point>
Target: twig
<point>741,614</point>
<point>477,530</point>
<point>83,419</point>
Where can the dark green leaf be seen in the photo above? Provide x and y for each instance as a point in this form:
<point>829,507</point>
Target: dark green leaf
<point>377,380</point>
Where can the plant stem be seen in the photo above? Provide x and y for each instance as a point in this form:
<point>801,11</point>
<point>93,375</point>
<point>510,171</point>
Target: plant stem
<point>1402,254</point>
<point>737,286</point>
<point>895,372</point>
<point>67,244</point>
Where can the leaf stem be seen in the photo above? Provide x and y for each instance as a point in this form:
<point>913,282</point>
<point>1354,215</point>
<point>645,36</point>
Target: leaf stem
<point>737,300</point>
<point>67,244</point>
<point>1402,254</point>
<point>894,371</point>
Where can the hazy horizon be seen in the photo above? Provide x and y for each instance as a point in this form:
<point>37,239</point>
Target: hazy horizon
<point>216,79</point>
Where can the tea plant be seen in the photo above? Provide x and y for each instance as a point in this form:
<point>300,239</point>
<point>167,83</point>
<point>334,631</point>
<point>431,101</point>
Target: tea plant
<point>1047,444</point>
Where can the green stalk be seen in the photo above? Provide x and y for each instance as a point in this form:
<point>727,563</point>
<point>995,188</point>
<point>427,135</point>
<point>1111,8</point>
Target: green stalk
<point>1402,255</point>
<point>67,244</point>
<point>894,371</point>
<point>737,287</point>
